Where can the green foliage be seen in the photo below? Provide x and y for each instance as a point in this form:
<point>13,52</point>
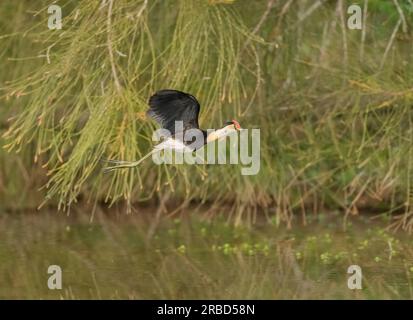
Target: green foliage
<point>88,98</point>
<point>333,104</point>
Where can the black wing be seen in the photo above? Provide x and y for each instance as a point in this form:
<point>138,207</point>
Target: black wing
<point>168,106</point>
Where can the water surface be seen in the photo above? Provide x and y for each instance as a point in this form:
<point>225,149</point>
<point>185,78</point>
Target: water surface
<point>130,257</point>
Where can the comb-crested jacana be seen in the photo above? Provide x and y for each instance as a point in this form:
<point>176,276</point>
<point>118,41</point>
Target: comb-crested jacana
<point>168,106</point>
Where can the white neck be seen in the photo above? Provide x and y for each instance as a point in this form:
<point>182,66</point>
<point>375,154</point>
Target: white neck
<point>217,134</point>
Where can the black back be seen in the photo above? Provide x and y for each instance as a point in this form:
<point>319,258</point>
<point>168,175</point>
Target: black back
<point>168,106</point>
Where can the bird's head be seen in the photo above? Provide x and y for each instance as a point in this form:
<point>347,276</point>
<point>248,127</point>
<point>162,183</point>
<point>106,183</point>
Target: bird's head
<point>232,125</point>
<point>229,128</point>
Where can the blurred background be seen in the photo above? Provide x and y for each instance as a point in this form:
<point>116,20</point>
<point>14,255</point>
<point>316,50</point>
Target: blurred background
<point>334,106</point>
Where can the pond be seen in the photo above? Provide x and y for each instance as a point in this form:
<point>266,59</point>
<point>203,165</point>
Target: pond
<point>188,257</point>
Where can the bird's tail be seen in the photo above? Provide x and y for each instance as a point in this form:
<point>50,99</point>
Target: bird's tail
<point>121,164</point>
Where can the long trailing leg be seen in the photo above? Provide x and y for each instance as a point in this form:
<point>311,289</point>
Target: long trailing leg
<point>121,164</point>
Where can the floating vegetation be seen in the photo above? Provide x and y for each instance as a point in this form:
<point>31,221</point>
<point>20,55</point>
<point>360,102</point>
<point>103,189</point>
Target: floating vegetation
<point>121,261</point>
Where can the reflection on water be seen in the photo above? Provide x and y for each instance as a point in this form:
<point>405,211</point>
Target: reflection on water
<point>127,257</point>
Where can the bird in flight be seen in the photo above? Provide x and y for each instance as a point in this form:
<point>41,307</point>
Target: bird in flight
<point>169,107</point>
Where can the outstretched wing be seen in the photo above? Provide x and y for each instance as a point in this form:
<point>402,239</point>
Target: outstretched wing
<point>168,106</point>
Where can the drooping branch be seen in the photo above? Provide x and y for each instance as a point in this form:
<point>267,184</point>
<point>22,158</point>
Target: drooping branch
<point>110,48</point>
